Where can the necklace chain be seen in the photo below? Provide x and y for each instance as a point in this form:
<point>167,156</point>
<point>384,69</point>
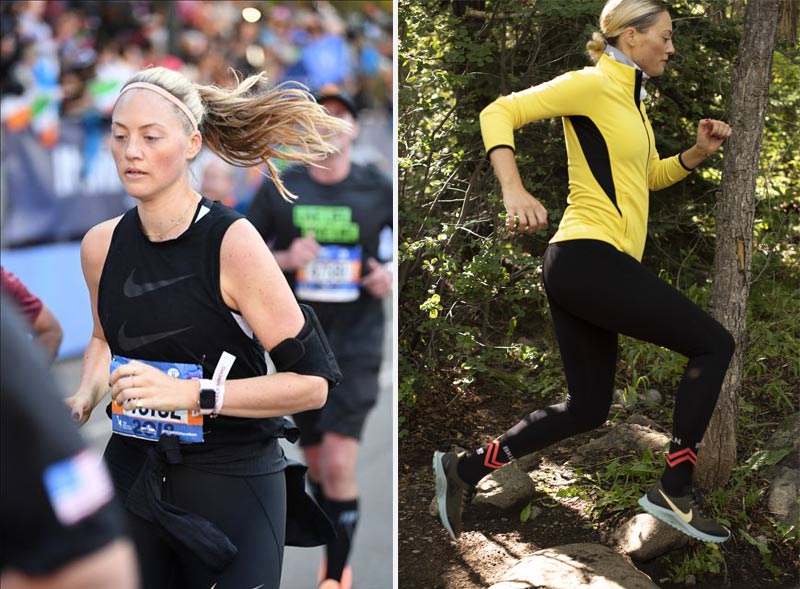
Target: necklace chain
<point>160,236</point>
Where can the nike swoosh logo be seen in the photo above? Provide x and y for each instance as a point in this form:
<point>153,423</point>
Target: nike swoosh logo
<point>685,516</point>
<point>130,289</point>
<point>128,343</point>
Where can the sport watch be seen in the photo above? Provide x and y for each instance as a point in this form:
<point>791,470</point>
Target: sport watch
<point>208,397</point>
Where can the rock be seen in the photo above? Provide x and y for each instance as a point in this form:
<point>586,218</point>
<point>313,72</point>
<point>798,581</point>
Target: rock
<point>642,420</point>
<point>433,508</point>
<point>653,397</point>
<point>529,462</point>
<point>535,512</point>
<point>690,581</point>
<point>627,401</point>
<point>505,488</point>
<point>644,538</point>
<point>787,436</point>
<point>574,566</point>
<point>626,437</point>
<point>783,494</point>
<point>617,409</point>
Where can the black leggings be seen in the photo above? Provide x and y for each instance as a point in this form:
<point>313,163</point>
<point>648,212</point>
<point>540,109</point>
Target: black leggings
<point>250,510</point>
<point>595,293</point>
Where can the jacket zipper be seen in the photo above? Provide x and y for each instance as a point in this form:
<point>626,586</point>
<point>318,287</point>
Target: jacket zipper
<point>637,91</point>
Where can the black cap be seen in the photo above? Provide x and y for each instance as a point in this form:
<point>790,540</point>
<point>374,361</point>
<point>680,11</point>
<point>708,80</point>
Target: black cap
<point>333,92</point>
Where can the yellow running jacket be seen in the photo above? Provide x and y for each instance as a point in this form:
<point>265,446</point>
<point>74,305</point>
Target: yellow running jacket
<point>612,159</point>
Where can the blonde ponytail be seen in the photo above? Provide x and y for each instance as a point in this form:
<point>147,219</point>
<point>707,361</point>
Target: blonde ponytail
<point>246,126</point>
<point>596,46</point>
<point>285,122</point>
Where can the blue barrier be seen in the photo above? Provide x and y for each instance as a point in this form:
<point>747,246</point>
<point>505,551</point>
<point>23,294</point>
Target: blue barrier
<point>53,273</point>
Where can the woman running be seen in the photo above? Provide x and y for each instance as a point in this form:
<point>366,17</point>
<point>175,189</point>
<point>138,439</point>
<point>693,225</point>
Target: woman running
<point>186,298</point>
<point>596,286</point>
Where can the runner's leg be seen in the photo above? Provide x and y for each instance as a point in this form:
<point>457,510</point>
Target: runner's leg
<point>155,557</point>
<point>589,357</point>
<point>599,284</point>
<point>251,511</point>
<point>595,290</point>
<point>343,422</point>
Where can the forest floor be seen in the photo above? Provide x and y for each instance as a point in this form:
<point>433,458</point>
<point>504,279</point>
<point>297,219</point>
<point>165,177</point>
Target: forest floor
<point>493,541</point>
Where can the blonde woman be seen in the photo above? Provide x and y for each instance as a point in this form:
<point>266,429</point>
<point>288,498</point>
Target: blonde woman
<point>596,285</point>
<point>186,298</point>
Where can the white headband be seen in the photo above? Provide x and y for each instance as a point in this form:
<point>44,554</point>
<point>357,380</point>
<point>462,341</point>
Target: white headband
<point>168,95</point>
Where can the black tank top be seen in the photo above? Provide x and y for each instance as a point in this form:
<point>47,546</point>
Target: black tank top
<point>161,301</point>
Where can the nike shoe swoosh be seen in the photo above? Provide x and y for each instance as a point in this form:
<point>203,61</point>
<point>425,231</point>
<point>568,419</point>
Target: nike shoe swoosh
<point>130,289</point>
<point>128,343</point>
<point>685,516</point>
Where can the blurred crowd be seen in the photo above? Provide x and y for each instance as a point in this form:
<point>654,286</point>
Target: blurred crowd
<point>69,58</point>
<point>63,62</point>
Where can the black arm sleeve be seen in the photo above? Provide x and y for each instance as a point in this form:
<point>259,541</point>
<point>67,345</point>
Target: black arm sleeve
<point>56,498</point>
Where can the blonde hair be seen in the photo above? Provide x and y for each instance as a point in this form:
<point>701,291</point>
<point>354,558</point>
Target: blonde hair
<point>617,16</point>
<point>246,127</point>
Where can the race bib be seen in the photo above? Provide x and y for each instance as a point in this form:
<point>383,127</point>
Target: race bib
<point>334,277</point>
<point>149,424</point>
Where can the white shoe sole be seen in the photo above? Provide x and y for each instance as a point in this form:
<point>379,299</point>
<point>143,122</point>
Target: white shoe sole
<point>669,518</point>
<point>441,491</point>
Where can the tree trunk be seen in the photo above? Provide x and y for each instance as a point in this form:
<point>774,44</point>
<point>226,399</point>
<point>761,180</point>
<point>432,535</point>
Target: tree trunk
<point>735,209</point>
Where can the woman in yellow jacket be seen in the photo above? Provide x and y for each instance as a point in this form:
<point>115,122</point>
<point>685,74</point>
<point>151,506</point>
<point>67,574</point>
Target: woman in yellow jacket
<point>596,286</point>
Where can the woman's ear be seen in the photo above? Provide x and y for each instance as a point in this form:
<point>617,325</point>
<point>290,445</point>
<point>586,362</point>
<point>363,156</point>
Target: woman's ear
<point>195,144</point>
<point>628,36</point>
<point>354,130</point>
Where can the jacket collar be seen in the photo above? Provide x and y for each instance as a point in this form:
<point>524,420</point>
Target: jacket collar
<point>626,74</point>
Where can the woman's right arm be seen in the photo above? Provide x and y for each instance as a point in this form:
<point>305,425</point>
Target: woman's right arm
<point>93,385</point>
<point>525,213</point>
<point>560,97</point>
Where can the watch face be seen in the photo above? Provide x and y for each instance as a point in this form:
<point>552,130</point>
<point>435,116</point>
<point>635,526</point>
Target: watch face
<point>208,398</point>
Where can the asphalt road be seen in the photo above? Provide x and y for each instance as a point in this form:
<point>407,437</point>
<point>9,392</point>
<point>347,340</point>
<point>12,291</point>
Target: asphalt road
<point>371,557</point>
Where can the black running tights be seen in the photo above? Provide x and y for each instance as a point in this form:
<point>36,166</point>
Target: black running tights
<point>595,293</point>
<point>250,510</point>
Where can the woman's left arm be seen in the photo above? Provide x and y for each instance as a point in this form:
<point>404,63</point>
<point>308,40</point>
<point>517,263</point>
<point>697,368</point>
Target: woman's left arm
<point>666,172</point>
<point>710,136</point>
<point>253,284</point>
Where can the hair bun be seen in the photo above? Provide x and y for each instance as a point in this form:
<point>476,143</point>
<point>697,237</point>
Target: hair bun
<point>596,46</point>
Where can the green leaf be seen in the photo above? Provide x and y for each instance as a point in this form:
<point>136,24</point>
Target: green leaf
<point>764,458</point>
<point>525,514</point>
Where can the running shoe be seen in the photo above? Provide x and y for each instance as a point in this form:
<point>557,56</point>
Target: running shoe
<point>683,513</point>
<point>452,494</point>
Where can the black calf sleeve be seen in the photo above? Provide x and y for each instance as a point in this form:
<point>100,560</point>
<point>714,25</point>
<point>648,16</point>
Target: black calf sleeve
<point>344,515</point>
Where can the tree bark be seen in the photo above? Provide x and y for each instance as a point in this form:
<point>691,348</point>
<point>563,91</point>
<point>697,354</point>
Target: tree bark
<point>735,210</point>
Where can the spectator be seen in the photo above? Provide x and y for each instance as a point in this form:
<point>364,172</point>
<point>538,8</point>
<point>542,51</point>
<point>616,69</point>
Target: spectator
<point>218,181</point>
<point>44,325</point>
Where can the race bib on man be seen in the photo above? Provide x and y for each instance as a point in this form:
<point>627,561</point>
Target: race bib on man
<point>150,424</point>
<point>333,277</point>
